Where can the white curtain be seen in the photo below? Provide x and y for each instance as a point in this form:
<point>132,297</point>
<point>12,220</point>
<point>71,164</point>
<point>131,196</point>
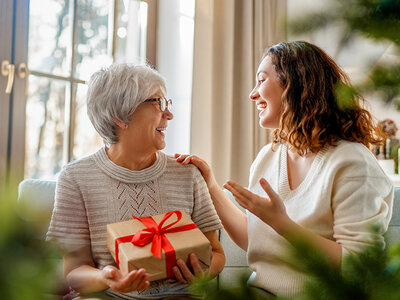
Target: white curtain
<point>229,39</point>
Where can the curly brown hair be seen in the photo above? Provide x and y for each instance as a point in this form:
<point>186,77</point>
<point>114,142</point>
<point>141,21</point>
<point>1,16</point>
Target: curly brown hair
<point>312,114</point>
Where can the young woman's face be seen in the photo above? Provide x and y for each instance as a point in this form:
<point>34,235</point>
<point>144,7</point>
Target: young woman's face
<point>268,94</point>
<point>146,130</point>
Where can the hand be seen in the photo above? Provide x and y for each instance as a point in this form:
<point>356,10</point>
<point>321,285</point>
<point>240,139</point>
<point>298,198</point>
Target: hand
<point>182,272</point>
<point>202,165</point>
<point>270,210</point>
<point>133,281</point>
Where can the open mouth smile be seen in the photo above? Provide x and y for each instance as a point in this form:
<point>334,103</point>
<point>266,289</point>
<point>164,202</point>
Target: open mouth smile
<point>261,106</point>
<point>161,130</point>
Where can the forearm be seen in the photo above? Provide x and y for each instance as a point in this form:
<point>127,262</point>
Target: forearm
<point>232,218</point>
<point>86,279</point>
<point>291,231</point>
<point>217,263</point>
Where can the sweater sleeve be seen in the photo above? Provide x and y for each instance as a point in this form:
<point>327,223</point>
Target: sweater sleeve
<point>69,224</point>
<point>358,203</point>
<point>204,214</point>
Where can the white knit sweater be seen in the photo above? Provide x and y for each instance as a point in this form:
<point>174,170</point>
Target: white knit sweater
<point>93,192</point>
<point>343,194</point>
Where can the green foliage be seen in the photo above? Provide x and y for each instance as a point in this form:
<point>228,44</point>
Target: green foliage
<point>345,94</point>
<point>377,20</point>
<point>26,272</point>
<point>374,19</point>
<point>204,288</point>
<point>385,79</point>
<point>372,274</point>
<point>395,156</point>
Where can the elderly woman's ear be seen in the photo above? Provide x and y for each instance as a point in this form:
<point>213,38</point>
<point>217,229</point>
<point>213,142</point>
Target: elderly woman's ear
<point>120,124</point>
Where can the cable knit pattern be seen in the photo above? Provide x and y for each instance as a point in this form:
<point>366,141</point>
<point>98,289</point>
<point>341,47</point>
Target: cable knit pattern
<point>93,192</point>
<point>344,193</point>
<point>140,198</point>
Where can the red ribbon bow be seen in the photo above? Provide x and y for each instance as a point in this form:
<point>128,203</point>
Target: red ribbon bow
<point>155,234</point>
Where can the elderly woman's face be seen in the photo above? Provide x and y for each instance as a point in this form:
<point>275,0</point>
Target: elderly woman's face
<point>147,126</point>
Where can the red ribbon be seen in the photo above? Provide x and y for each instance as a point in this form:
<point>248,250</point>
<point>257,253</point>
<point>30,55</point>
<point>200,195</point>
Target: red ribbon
<point>155,233</point>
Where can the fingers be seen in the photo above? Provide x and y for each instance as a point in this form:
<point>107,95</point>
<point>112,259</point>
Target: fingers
<point>178,275</point>
<point>133,281</point>
<point>139,280</point>
<point>194,261</point>
<point>268,189</point>
<point>144,285</point>
<point>185,159</point>
<point>187,274</point>
<point>182,272</point>
<point>238,189</point>
<point>134,278</point>
<point>181,157</point>
<point>241,194</point>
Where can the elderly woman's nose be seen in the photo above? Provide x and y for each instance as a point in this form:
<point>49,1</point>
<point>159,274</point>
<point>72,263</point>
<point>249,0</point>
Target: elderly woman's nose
<point>168,114</point>
<point>254,94</point>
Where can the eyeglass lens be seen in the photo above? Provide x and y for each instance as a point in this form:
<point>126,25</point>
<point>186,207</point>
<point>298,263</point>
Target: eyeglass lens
<point>164,104</point>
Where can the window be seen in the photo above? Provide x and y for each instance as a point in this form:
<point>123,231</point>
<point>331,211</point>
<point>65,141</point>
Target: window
<point>175,62</point>
<point>68,41</point>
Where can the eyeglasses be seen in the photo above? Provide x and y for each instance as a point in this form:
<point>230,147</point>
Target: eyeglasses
<point>162,101</point>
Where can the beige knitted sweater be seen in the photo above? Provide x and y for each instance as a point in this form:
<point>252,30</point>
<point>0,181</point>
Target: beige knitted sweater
<point>94,191</point>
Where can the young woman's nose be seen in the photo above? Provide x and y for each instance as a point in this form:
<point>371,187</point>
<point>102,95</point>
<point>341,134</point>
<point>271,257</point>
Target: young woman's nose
<point>254,94</point>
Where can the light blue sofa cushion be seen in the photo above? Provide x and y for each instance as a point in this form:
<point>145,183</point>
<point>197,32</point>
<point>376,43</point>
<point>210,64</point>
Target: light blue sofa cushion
<point>36,201</point>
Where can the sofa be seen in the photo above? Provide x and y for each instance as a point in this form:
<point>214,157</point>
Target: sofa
<point>38,196</point>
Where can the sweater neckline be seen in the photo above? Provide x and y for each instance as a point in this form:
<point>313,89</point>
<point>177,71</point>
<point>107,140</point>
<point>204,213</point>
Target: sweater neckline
<point>284,188</point>
<point>128,176</point>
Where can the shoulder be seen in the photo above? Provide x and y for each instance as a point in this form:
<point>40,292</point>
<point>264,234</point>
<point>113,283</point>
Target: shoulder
<point>269,151</point>
<point>79,167</point>
<point>349,153</point>
<point>353,160</point>
<point>266,149</point>
<point>352,148</point>
<point>173,166</point>
<point>266,154</point>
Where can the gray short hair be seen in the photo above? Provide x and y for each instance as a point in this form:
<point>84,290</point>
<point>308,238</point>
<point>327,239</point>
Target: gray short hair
<point>116,91</point>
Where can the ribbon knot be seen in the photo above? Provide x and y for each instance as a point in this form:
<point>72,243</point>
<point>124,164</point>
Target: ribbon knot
<point>155,233</point>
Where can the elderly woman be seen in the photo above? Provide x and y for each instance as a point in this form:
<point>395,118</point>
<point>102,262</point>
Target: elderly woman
<point>130,175</point>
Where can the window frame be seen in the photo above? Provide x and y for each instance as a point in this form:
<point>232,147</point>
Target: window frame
<point>72,81</point>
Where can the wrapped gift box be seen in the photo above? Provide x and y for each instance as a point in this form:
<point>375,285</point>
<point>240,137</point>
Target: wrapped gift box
<point>133,257</point>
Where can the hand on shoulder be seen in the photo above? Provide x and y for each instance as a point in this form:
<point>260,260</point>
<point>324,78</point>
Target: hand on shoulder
<point>202,165</point>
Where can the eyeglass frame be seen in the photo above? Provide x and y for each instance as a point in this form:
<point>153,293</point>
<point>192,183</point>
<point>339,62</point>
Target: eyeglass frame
<point>163,102</point>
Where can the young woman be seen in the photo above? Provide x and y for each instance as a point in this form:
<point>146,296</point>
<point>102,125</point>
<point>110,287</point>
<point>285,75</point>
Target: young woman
<point>317,179</point>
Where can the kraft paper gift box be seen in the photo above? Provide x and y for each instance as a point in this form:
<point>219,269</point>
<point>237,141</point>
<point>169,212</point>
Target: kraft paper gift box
<point>177,244</point>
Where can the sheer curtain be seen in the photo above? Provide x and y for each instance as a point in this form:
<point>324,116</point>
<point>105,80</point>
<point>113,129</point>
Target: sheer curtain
<point>229,39</point>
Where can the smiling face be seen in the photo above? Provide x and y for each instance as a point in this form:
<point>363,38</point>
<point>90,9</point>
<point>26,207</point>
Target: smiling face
<point>267,94</point>
<point>147,126</point>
